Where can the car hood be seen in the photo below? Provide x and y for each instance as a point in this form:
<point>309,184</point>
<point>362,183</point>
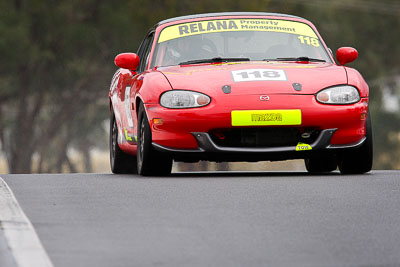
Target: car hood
<point>246,78</point>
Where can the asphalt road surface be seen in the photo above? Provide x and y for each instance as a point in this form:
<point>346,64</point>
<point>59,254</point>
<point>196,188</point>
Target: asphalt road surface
<point>215,219</point>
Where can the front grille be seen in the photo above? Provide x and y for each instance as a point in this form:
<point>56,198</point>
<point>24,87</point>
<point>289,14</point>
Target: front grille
<point>263,136</point>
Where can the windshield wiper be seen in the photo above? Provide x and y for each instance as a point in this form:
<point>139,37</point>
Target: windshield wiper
<point>296,59</point>
<point>215,60</point>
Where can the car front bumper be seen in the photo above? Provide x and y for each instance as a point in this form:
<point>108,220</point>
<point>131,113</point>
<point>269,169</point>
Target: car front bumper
<point>186,133</point>
<point>209,150</point>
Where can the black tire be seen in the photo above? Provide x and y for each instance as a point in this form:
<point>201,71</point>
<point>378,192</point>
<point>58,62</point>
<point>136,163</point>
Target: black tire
<point>121,163</point>
<point>359,161</point>
<point>150,162</point>
<point>321,165</point>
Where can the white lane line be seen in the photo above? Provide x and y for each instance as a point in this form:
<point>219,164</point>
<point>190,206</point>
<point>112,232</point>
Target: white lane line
<point>21,237</point>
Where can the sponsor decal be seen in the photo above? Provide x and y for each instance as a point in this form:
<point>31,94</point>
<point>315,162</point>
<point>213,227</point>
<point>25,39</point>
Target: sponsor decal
<point>305,32</point>
<point>127,106</point>
<point>266,117</point>
<point>127,137</point>
<point>303,147</point>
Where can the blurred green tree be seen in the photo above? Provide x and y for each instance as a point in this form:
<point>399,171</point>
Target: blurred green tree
<point>55,71</point>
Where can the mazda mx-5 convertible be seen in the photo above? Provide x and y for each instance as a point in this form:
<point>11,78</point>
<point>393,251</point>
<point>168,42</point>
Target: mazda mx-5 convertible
<point>238,87</point>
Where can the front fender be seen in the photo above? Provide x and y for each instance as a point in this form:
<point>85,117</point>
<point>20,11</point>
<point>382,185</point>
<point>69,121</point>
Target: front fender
<point>151,84</point>
<point>354,78</point>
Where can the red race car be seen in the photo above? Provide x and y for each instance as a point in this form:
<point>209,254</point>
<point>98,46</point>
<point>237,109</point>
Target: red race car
<point>238,87</point>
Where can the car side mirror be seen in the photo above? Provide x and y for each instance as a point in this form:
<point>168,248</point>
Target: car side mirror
<point>346,55</point>
<point>128,61</point>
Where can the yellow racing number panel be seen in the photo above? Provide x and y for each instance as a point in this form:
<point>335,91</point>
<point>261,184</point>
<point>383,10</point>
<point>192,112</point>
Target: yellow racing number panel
<point>266,117</point>
<point>210,26</point>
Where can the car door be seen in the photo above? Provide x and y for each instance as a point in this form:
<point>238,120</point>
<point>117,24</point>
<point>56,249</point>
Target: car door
<point>133,86</point>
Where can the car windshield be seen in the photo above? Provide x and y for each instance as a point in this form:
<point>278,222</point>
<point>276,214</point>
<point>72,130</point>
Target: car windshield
<point>235,39</point>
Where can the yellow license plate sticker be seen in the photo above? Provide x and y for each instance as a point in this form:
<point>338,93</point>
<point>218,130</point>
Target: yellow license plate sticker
<point>266,117</point>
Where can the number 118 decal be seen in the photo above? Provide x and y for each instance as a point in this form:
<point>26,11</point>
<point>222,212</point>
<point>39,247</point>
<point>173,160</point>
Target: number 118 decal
<point>258,75</point>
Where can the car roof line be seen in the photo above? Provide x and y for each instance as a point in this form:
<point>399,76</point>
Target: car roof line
<point>221,14</point>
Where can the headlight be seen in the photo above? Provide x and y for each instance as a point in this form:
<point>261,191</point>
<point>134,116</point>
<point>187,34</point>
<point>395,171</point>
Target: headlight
<point>341,94</point>
<point>183,99</point>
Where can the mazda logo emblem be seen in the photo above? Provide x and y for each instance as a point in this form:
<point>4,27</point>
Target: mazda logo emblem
<point>264,98</point>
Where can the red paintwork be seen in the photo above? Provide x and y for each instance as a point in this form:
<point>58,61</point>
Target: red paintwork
<point>346,55</point>
<point>209,78</point>
<point>175,132</point>
<point>128,61</point>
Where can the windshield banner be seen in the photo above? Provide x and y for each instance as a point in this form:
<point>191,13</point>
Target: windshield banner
<point>210,26</point>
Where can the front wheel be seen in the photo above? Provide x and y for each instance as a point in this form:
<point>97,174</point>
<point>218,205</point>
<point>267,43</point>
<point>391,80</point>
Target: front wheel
<point>149,161</point>
<point>359,161</point>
